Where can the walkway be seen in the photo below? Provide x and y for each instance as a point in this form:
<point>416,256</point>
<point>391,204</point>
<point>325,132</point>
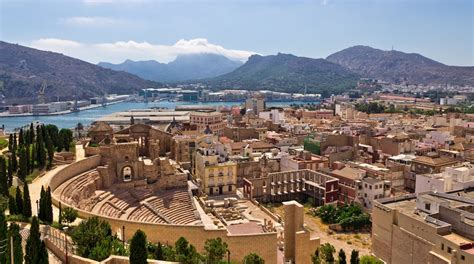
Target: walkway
<point>35,190</point>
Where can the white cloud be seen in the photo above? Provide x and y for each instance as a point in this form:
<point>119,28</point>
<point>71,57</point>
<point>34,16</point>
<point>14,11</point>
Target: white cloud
<point>119,51</point>
<point>88,21</point>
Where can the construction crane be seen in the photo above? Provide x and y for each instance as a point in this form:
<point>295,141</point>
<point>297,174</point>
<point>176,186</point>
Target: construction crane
<point>75,107</point>
<point>41,99</point>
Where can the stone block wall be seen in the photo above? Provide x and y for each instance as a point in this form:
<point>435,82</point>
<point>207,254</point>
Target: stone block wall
<point>239,245</point>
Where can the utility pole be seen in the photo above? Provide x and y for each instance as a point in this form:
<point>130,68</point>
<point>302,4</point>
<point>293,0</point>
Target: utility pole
<point>11,249</point>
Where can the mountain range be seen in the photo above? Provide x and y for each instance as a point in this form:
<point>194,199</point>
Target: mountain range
<point>23,69</point>
<point>286,73</point>
<point>396,66</point>
<point>184,67</point>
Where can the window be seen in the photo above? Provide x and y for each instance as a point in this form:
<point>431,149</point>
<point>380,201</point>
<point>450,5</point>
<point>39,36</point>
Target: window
<point>230,188</point>
<point>449,250</point>
<point>463,257</point>
<point>442,246</point>
<point>127,174</point>
<point>370,187</point>
<point>427,206</point>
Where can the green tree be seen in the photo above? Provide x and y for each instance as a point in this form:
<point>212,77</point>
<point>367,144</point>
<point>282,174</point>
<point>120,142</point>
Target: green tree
<point>45,207</point>
<point>53,132</point>
<point>138,251</point>
<point>26,201</point>
<point>168,253</point>
<point>40,150</point>
<point>10,172</point>
<point>21,138</point>
<point>327,252</point>
<point>50,150</point>
<point>68,215</point>
<point>10,142</point>
<point>41,206</point>
<point>185,252</point>
<point>253,258</point>
<point>33,157</point>
<point>3,177</point>
<point>14,161</point>
<point>43,257</point>
<point>93,239</point>
<point>14,235</point>
<point>354,257</point>
<point>215,250</point>
<point>23,164</point>
<point>12,205</point>
<point>32,134</point>
<point>158,254</point>
<point>49,206</point>
<point>33,243</point>
<point>341,258</point>
<point>27,158</point>
<point>3,237</point>
<point>60,143</point>
<point>315,258</point>
<point>14,143</point>
<point>66,136</point>
<point>19,201</point>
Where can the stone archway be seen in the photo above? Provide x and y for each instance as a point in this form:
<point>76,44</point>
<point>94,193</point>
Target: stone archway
<point>127,173</point>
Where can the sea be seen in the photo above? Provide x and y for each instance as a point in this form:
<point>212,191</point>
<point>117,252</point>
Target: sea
<point>86,117</point>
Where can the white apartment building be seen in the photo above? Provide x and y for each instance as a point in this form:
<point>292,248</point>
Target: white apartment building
<point>452,179</point>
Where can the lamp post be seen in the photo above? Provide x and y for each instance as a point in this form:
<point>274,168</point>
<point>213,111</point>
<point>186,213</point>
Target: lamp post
<point>123,235</point>
<point>65,241</point>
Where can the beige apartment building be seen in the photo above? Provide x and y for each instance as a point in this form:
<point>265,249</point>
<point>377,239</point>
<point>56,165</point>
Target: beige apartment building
<point>208,122</point>
<point>429,227</point>
<point>256,104</point>
<point>216,176</point>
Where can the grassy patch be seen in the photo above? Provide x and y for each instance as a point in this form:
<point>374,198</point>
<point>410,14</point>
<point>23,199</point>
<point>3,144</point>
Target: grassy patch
<point>18,218</point>
<point>30,177</point>
<point>72,147</point>
<point>3,143</point>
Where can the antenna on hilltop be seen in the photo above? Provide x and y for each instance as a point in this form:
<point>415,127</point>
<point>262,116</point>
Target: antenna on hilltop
<point>392,47</point>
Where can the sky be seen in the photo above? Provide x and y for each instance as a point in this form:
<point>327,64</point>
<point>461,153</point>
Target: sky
<point>116,30</point>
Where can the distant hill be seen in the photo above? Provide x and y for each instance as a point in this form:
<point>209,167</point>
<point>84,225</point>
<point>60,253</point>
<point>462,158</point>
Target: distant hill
<point>286,73</point>
<point>184,67</point>
<point>395,66</point>
<point>23,69</point>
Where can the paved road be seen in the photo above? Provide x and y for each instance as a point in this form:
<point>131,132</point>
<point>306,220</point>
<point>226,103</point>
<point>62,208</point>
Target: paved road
<point>35,190</point>
<point>35,186</point>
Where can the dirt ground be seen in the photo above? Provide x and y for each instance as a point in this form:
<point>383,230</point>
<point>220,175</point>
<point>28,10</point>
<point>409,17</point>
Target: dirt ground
<point>345,240</point>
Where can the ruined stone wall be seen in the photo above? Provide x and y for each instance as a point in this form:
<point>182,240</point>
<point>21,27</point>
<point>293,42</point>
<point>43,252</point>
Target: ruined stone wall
<point>239,245</point>
<point>164,138</point>
<point>72,170</point>
<point>253,169</point>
